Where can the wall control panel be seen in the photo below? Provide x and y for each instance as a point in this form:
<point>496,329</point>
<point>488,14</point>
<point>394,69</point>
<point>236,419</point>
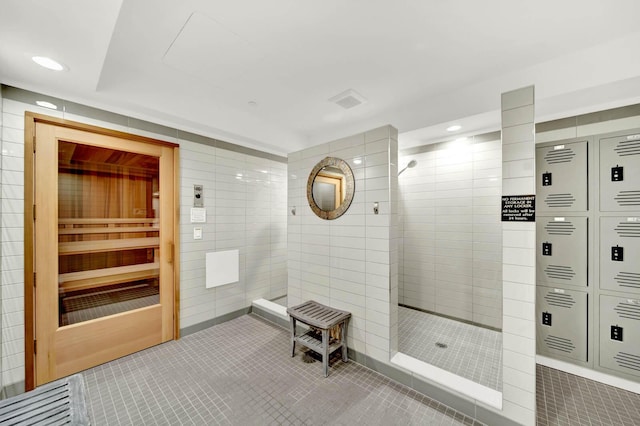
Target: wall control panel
<point>198,196</point>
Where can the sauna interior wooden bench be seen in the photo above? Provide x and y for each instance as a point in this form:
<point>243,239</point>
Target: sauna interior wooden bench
<point>323,318</point>
<point>137,230</point>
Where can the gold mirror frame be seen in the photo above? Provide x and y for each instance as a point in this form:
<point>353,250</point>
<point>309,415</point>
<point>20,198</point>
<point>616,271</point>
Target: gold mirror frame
<point>350,188</point>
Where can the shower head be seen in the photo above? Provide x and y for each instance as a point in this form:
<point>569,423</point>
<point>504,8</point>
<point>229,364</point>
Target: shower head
<point>411,164</point>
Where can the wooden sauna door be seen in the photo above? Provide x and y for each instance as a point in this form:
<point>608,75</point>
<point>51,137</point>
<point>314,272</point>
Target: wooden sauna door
<point>104,229</point>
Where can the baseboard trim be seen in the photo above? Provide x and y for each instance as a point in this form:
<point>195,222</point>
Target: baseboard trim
<point>12,390</point>
<point>213,321</point>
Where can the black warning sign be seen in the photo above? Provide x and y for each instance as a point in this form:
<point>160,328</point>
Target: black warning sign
<point>518,208</point>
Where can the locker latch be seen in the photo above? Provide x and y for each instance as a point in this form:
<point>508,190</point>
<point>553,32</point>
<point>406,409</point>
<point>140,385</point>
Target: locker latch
<point>546,249</point>
<point>546,179</point>
<point>617,174</point>
<point>546,319</point>
<point>617,254</point>
<point>616,333</point>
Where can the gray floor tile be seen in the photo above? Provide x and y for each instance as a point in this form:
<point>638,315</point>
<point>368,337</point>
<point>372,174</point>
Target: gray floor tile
<point>565,399</point>
<point>240,373</point>
<point>474,353</point>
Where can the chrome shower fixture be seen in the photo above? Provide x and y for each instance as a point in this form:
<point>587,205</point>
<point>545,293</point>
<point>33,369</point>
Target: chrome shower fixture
<point>411,165</point>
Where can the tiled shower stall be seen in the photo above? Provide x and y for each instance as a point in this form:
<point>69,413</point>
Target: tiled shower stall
<point>450,251</point>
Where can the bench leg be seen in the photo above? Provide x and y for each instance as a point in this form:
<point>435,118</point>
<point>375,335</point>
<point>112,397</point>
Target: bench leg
<point>325,351</point>
<point>292,324</point>
<point>343,336</point>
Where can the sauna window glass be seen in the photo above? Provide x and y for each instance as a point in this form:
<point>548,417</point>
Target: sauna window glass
<point>108,232</point>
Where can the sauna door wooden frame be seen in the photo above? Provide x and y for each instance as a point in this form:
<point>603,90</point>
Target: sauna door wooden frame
<point>51,350</point>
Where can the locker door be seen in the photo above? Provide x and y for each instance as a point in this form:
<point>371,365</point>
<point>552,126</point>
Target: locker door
<point>620,173</point>
<point>620,254</point>
<point>620,334</point>
<point>562,251</point>
<point>561,177</point>
<point>561,323</point>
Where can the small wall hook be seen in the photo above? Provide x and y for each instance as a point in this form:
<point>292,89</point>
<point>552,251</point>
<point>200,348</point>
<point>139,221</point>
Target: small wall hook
<point>293,210</point>
<point>375,208</point>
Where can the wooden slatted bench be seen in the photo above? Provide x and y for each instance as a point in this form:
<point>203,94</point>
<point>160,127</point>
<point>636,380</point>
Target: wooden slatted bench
<point>323,318</point>
<point>57,403</point>
<point>83,280</point>
<point>134,234</point>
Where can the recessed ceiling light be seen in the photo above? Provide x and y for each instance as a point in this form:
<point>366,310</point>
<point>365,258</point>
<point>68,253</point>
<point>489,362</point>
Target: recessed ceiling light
<point>357,161</point>
<point>48,63</point>
<point>46,104</point>
<point>454,128</point>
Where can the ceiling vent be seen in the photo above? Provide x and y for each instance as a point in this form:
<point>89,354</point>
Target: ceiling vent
<point>348,99</point>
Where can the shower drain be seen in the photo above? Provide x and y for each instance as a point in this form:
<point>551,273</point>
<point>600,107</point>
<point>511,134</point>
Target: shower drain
<point>441,345</point>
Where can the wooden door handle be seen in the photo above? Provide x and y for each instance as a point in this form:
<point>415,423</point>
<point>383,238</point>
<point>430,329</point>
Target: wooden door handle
<point>170,248</point>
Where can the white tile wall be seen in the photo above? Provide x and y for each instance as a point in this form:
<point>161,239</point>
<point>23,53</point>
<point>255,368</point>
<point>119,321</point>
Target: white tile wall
<point>245,201</point>
<point>12,249</point>
<point>349,263</point>
<point>449,223</point>
<point>518,245</point>
<point>2,239</point>
<point>246,212</point>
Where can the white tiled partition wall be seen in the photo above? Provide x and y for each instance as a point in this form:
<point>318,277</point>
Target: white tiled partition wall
<point>1,242</point>
<point>12,291</point>
<point>350,263</point>
<point>518,241</point>
<point>449,217</point>
<point>245,193</point>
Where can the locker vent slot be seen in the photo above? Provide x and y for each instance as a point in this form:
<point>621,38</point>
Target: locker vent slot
<point>626,148</point>
<point>628,310</point>
<point>559,344</point>
<point>560,272</point>
<point>628,198</point>
<point>559,228</point>
<point>628,229</point>
<point>628,279</point>
<point>557,156</point>
<point>626,360</point>
<point>560,200</point>
<point>561,300</point>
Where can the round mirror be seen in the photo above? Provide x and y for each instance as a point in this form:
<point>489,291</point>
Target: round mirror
<point>330,188</point>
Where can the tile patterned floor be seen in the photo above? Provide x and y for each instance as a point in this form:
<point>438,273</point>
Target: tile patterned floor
<point>240,373</point>
<point>565,399</point>
<point>472,352</point>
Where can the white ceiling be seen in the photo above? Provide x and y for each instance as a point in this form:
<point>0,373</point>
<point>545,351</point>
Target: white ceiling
<point>421,64</point>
